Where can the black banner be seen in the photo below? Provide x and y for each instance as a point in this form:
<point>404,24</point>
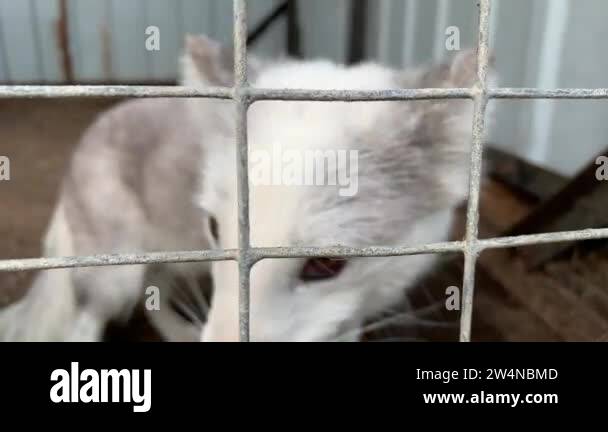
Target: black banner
<point>152,380</point>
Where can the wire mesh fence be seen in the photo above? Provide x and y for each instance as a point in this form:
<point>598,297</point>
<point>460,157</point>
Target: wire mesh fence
<point>243,96</point>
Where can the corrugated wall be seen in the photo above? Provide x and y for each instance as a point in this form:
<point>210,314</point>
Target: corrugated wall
<point>541,43</point>
<point>107,37</point>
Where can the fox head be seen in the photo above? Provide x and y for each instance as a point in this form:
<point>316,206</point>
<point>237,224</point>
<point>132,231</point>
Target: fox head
<point>326,174</point>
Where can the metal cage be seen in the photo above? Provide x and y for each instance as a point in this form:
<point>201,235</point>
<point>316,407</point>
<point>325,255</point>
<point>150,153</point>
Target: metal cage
<point>243,96</point>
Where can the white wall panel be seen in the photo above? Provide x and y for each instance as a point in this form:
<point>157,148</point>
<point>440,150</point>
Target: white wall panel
<point>130,60</point>
<point>197,15</point>
<point>325,27</point>
<point>4,72</point>
<point>167,16</point>
<point>89,22</point>
<point>21,50</point>
<point>46,15</point>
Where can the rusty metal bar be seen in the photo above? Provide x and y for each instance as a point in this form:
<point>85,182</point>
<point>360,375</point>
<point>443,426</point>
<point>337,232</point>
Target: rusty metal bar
<point>63,42</point>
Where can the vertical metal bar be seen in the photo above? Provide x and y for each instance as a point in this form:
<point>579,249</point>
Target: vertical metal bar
<point>471,248</point>
<point>242,104</point>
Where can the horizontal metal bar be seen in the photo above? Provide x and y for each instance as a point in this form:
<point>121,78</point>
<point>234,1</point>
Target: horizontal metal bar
<point>532,93</point>
<point>116,259</point>
<point>254,254</point>
<point>256,94</point>
<point>253,94</point>
<point>532,239</point>
<point>259,253</point>
<point>344,251</point>
<point>82,91</point>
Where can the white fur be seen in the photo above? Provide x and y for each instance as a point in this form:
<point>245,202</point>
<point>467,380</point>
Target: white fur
<point>282,307</point>
<point>411,174</point>
<point>48,311</point>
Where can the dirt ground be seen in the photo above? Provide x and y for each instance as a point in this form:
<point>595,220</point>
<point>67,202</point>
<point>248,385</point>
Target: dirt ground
<point>37,136</point>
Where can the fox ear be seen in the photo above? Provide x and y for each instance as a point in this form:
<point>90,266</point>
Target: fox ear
<point>206,62</point>
<point>463,68</point>
<point>438,139</point>
<point>460,71</point>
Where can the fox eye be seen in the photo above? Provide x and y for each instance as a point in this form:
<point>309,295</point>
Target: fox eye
<point>316,269</point>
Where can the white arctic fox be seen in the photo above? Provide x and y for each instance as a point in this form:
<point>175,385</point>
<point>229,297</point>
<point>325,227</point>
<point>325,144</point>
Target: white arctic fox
<point>160,174</point>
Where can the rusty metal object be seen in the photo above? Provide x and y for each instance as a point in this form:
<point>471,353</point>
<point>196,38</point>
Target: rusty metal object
<point>63,42</point>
